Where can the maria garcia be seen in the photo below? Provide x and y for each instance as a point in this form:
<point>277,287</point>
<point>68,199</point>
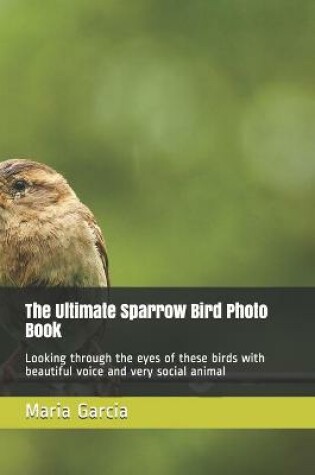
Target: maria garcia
<point>84,411</point>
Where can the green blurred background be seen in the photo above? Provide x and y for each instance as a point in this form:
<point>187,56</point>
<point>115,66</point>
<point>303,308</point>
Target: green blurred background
<point>188,128</point>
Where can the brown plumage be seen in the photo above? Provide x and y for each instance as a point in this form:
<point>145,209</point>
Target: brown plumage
<point>47,236</point>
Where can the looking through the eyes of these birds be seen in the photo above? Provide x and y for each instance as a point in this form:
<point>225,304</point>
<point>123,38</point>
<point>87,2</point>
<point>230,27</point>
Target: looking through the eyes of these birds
<point>48,237</point>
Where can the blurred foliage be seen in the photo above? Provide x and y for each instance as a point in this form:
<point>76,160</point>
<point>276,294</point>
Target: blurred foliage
<point>154,452</point>
<point>188,127</point>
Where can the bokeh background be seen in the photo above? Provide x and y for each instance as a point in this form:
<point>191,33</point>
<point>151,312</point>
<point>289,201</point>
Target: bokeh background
<point>188,128</point>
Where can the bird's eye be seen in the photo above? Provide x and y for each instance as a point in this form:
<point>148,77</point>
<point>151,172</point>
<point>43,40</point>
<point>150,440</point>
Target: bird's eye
<point>19,186</point>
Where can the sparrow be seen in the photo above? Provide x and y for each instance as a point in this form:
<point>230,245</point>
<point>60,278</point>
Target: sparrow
<point>48,238</point>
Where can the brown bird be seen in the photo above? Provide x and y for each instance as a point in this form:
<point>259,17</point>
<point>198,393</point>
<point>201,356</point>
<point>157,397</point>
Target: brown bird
<point>47,236</point>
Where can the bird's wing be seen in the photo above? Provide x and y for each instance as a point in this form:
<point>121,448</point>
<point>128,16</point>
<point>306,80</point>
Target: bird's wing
<point>101,247</point>
<point>99,241</point>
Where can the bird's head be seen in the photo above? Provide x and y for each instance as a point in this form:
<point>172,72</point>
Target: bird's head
<point>28,188</point>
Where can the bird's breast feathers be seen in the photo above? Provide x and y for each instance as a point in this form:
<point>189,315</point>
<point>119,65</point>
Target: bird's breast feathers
<point>64,251</point>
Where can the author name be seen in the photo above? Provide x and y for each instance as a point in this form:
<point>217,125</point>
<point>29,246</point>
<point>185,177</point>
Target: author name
<point>82,411</point>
